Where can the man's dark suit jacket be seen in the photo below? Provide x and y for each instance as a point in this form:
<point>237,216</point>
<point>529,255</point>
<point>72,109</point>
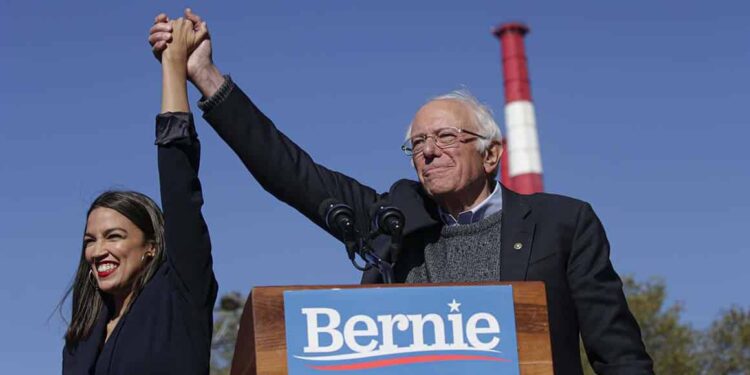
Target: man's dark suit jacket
<point>562,241</point>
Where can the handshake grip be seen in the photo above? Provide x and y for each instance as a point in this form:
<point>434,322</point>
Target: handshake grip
<point>385,219</point>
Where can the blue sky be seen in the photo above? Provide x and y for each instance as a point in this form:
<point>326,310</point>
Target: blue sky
<point>641,109</point>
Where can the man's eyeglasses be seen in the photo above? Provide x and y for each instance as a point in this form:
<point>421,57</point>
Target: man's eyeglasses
<point>444,138</point>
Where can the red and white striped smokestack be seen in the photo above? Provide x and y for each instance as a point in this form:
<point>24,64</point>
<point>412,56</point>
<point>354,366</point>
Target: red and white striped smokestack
<point>522,161</point>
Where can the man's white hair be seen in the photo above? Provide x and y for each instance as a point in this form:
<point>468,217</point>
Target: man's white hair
<point>483,118</point>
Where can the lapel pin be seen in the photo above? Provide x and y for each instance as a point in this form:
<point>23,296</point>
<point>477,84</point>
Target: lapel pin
<point>518,246</point>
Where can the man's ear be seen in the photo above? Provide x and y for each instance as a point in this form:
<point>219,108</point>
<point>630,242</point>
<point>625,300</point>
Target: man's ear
<point>492,156</point>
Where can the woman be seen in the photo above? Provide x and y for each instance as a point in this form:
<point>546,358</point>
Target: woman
<point>144,291</point>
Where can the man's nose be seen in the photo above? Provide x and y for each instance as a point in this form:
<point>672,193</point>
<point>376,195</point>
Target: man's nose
<point>431,150</point>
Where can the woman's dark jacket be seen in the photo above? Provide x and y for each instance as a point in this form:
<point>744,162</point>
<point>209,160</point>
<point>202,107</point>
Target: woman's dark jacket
<point>168,327</point>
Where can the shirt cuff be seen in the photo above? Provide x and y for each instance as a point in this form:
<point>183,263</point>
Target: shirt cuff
<point>174,126</point>
<point>207,104</point>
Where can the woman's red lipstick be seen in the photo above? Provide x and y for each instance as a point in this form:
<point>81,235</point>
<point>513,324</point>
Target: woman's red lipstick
<point>105,269</point>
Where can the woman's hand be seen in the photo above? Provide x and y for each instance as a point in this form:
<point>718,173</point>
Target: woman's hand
<point>201,70</point>
<point>185,38</point>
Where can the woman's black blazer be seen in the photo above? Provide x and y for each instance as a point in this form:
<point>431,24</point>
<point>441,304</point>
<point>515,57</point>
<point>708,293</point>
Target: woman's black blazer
<point>169,325</point>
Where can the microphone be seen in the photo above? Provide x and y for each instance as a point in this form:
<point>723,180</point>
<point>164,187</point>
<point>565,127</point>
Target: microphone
<point>388,220</point>
<point>339,218</point>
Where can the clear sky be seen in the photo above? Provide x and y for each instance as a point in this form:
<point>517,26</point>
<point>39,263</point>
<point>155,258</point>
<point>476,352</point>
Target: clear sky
<point>641,108</point>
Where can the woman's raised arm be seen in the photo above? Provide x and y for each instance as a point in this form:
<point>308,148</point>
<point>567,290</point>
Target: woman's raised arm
<point>187,241</point>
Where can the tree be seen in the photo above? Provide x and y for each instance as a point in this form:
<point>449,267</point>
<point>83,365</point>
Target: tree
<point>726,344</point>
<point>226,323</point>
<point>671,344</point>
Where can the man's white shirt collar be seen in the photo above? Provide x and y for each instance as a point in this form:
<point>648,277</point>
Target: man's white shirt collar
<point>490,205</point>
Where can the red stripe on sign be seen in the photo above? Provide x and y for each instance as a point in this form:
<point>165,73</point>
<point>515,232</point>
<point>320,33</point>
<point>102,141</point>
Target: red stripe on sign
<point>408,360</point>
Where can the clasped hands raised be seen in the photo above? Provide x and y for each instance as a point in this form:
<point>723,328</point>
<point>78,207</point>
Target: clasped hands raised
<point>182,40</point>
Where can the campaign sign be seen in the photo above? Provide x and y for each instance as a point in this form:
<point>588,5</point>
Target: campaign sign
<point>418,330</point>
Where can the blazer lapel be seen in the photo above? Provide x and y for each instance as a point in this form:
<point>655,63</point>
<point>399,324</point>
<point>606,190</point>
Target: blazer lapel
<point>517,234</point>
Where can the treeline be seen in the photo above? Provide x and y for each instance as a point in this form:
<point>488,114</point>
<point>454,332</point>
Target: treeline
<point>676,347</point>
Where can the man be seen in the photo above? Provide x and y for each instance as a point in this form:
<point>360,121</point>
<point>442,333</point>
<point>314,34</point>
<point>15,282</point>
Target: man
<point>461,225</point>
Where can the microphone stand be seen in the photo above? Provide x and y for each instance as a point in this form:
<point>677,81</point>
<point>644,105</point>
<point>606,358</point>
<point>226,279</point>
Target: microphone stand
<point>339,218</point>
<point>385,268</point>
<point>364,249</point>
<point>387,220</point>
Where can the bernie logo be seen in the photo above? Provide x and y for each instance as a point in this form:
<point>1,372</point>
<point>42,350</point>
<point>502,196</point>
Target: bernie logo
<point>367,343</point>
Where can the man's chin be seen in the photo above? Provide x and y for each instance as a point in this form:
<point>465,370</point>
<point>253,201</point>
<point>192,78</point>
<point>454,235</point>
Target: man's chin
<point>436,185</point>
<point>436,191</point>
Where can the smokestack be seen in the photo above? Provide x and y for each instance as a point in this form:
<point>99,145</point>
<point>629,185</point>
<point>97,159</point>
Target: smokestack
<point>522,161</point>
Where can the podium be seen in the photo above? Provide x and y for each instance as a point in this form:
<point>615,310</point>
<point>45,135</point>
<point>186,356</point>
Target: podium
<point>261,340</point>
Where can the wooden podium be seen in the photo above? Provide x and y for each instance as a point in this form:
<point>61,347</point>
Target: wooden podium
<point>261,341</point>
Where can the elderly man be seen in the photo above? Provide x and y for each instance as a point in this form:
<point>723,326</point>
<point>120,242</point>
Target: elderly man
<point>461,225</point>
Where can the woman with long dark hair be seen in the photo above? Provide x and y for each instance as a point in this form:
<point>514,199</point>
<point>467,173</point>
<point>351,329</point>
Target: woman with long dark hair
<point>143,295</point>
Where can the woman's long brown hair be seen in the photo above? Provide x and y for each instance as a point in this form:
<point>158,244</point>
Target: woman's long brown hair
<point>88,300</point>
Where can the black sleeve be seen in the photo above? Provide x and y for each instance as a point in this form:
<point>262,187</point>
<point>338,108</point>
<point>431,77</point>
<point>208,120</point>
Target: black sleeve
<point>279,165</point>
<point>610,333</point>
<point>188,245</point>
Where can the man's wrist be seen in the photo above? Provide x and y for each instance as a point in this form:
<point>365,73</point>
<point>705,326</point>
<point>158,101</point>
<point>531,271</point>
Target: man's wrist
<point>207,80</point>
<point>207,104</point>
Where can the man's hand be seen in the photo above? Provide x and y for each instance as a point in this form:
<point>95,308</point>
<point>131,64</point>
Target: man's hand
<point>159,35</point>
<point>185,40</point>
<point>201,70</point>
<point>199,58</point>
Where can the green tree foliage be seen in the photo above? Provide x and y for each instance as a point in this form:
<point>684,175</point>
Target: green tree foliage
<point>726,344</point>
<point>671,344</point>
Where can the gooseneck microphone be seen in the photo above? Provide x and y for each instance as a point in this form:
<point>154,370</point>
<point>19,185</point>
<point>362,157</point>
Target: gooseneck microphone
<point>388,220</point>
<point>339,218</point>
